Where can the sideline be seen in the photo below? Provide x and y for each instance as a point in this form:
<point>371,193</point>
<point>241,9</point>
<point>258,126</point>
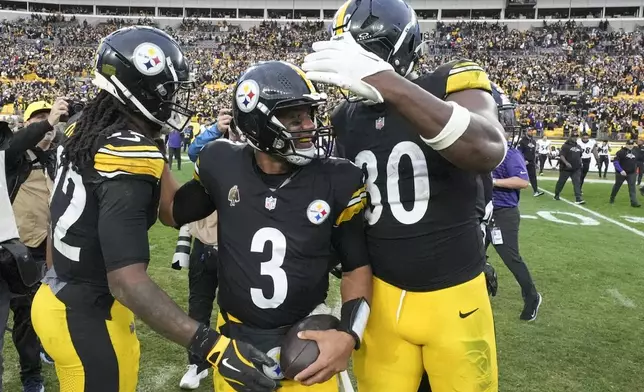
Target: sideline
<point>587,180</point>
<point>597,214</point>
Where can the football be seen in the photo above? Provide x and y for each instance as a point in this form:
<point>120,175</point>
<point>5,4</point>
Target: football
<point>297,354</point>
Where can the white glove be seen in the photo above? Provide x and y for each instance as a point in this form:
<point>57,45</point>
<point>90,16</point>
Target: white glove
<point>344,63</point>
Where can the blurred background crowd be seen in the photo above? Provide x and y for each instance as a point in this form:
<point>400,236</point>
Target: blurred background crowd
<point>563,75</point>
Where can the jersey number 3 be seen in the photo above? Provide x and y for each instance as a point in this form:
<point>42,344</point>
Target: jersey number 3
<point>272,267</point>
<point>421,183</point>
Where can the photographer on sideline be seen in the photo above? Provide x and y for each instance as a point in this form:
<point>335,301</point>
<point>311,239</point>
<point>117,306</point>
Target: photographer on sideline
<point>30,171</point>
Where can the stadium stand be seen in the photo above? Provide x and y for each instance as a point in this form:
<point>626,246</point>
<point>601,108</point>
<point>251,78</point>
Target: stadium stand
<point>562,73</point>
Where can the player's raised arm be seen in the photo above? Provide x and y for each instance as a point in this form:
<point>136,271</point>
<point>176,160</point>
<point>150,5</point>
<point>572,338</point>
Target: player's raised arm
<point>464,127</point>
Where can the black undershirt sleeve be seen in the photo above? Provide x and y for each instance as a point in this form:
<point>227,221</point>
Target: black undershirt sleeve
<point>191,203</point>
<point>123,207</point>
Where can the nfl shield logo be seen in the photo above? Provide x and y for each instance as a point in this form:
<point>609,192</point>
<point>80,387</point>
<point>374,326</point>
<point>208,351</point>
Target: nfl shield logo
<point>380,122</point>
<point>270,203</point>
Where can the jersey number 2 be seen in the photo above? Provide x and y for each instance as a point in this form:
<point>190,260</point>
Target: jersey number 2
<point>71,191</point>
<point>421,183</point>
<point>272,267</point>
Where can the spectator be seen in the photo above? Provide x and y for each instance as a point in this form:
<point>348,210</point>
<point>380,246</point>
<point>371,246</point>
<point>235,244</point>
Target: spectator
<point>175,138</point>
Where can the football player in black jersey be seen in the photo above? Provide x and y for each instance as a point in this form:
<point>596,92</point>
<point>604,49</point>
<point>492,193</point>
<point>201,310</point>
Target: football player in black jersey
<point>105,199</point>
<point>423,142</point>
<point>287,213</point>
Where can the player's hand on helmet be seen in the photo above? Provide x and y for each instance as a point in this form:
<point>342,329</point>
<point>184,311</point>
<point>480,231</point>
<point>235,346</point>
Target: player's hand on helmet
<point>235,361</point>
<point>58,109</point>
<point>335,350</point>
<point>344,63</point>
<point>223,121</point>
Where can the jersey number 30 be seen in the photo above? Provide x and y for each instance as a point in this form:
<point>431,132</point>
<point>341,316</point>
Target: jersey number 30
<point>421,183</point>
<point>272,267</point>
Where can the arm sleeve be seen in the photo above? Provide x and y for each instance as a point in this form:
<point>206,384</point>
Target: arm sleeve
<point>123,207</point>
<point>191,203</point>
<point>516,167</point>
<point>205,137</point>
<point>348,237</point>
<point>27,138</point>
<point>618,167</point>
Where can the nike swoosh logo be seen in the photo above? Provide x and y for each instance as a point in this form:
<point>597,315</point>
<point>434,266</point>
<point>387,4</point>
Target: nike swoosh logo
<point>524,172</point>
<point>464,315</point>
<point>229,366</point>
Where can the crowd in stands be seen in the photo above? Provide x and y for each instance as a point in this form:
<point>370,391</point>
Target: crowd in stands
<point>561,74</point>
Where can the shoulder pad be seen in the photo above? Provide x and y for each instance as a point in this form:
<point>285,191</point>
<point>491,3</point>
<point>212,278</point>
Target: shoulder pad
<point>215,150</point>
<point>459,75</point>
<point>128,153</point>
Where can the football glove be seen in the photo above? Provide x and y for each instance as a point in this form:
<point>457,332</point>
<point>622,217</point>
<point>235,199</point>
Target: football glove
<point>344,63</point>
<point>491,279</point>
<point>234,360</point>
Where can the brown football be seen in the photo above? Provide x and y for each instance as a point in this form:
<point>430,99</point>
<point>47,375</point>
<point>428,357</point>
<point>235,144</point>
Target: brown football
<point>298,354</point>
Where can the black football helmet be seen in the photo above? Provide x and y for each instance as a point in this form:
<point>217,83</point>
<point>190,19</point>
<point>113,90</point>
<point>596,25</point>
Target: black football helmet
<point>267,87</point>
<point>146,70</point>
<point>507,114</point>
<point>387,28</point>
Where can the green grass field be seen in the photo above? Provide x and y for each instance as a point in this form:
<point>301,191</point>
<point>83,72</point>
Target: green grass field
<point>589,332</point>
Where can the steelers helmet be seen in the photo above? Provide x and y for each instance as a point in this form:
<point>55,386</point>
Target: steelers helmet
<point>260,92</point>
<point>145,69</point>
<point>507,115</point>
<point>387,28</point>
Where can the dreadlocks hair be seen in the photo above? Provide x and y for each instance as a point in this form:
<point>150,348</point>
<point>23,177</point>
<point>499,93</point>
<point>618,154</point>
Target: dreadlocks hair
<point>102,117</point>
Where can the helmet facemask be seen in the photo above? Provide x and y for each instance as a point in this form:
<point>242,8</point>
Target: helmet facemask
<point>507,118</point>
<point>297,147</point>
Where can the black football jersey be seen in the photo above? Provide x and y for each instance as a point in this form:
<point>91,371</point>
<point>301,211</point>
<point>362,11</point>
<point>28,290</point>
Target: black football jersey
<point>95,213</point>
<point>277,245</point>
<point>423,222</point>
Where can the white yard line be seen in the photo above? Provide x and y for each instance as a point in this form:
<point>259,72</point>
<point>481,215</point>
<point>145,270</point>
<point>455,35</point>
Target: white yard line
<point>588,180</point>
<point>598,215</point>
<point>528,217</point>
<point>622,299</point>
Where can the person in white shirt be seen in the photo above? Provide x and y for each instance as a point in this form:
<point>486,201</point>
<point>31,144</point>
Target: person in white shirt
<point>543,147</point>
<point>553,156</point>
<point>588,150</point>
<point>8,231</point>
<point>603,157</point>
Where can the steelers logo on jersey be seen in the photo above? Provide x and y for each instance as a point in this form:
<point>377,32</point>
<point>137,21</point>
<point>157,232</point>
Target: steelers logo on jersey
<point>149,59</point>
<point>318,211</point>
<point>247,95</point>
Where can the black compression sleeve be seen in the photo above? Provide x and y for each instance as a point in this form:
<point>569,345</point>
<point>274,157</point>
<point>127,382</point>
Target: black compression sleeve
<point>350,243</point>
<point>191,203</point>
<point>123,207</point>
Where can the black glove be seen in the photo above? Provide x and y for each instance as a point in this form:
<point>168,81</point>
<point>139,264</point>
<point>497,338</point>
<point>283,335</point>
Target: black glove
<point>234,360</point>
<point>490,279</point>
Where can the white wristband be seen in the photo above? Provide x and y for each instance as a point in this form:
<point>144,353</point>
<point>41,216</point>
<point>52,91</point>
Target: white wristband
<point>455,127</point>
